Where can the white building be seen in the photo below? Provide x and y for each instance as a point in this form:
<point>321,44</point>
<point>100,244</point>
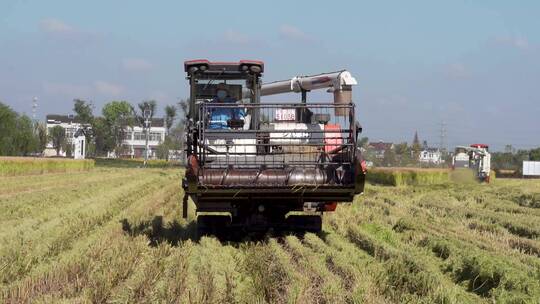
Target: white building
<point>135,139</point>
<point>379,148</point>
<point>79,144</point>
<point>430,156</point>
<point>71,125</point>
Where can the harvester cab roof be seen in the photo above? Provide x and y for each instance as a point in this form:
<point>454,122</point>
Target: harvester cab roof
<point>224,70</point>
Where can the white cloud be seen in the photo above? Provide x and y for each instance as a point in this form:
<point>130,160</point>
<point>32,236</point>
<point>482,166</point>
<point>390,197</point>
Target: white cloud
<point>236,37</point>
<point>67,89</point>
<point>136,64</point>
<point>518,42</point>
<point>108,88</point>
<point>293,33</point>
<point>58,29</point>
<point>52,25</point>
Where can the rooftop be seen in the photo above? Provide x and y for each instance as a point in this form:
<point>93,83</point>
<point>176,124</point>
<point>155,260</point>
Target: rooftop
<point>380,146</point>
<point>56,118</point>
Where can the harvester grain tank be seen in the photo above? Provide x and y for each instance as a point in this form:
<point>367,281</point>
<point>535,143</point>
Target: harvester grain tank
<point>267,160</point>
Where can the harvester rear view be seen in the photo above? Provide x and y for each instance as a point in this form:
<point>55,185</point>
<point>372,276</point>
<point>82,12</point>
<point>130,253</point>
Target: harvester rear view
<point>475,157</point>
<point>250,164</point>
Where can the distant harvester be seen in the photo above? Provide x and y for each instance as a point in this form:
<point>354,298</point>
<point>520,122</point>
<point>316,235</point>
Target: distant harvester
<point>475,157</point>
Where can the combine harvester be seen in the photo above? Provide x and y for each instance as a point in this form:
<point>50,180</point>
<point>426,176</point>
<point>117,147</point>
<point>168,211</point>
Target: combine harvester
<point>248,171</point>
<point>475,157</point>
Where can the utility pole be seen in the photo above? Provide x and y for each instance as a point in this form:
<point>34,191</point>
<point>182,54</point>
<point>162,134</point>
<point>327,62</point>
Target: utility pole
<point>147,113</point>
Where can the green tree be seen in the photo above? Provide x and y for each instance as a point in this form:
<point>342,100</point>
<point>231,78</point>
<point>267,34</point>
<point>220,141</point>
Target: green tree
<point>401,148</point>
<point>118,115</point>
<point>170,115</point>
<point>164,148</point>
<point>508,149</point>
<point>363,142</point>
<point>415,147</point>
<point>17,136</point>
<point>25,140</point>
<point>84,111</point>
<point>67,147</point>
<point>40,130</point>
<point>8,121</point>
<point>102,136</point>
<point>183,105</point>
<point>502,160</point>
<point>369,155</point>
<point>177,133</point>
<point>147,104</point>
<point>170,142</point>
<point>57,136</point>
<point>403,153</point>
<point>534,154</point>
<point>389,157</point>
<point>118,112</point>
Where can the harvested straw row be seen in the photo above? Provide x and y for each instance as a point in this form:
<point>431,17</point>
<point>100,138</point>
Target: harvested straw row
<point>408,176</point>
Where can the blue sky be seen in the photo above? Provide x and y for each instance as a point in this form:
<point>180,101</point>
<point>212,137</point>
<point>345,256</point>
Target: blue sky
<point>473,64</point>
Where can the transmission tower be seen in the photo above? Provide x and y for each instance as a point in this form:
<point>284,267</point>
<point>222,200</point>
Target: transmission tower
<point>34,107</point>
<point>442,141</point>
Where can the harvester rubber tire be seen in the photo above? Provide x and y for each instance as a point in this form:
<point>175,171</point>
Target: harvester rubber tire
<point>305,223</point>
<point>213,225</point>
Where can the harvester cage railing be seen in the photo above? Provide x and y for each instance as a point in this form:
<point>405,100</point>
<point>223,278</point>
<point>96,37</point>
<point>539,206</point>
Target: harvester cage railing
<point>276,135</point>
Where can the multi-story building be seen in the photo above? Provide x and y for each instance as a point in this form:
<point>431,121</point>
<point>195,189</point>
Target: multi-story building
<point>134,143</point>
<point>430,156</point>
<point>71,125</point>
<point>135,139</point>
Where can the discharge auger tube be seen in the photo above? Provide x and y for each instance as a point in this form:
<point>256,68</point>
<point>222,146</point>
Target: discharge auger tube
<point>340,83</point>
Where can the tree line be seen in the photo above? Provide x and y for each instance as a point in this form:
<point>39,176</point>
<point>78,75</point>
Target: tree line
<point>407,155</point>
<point>513,160</point>
<point>399,155</point>
<point>106,133</point>
<point>20,136</point>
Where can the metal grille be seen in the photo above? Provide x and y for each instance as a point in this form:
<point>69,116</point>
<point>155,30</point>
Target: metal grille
<point>277,135</point>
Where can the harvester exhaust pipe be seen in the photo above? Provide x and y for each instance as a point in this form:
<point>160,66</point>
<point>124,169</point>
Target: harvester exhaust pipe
<point>340,83</point>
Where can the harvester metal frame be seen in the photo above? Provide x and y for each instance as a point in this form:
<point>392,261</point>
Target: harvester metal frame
<point>258,173</point>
